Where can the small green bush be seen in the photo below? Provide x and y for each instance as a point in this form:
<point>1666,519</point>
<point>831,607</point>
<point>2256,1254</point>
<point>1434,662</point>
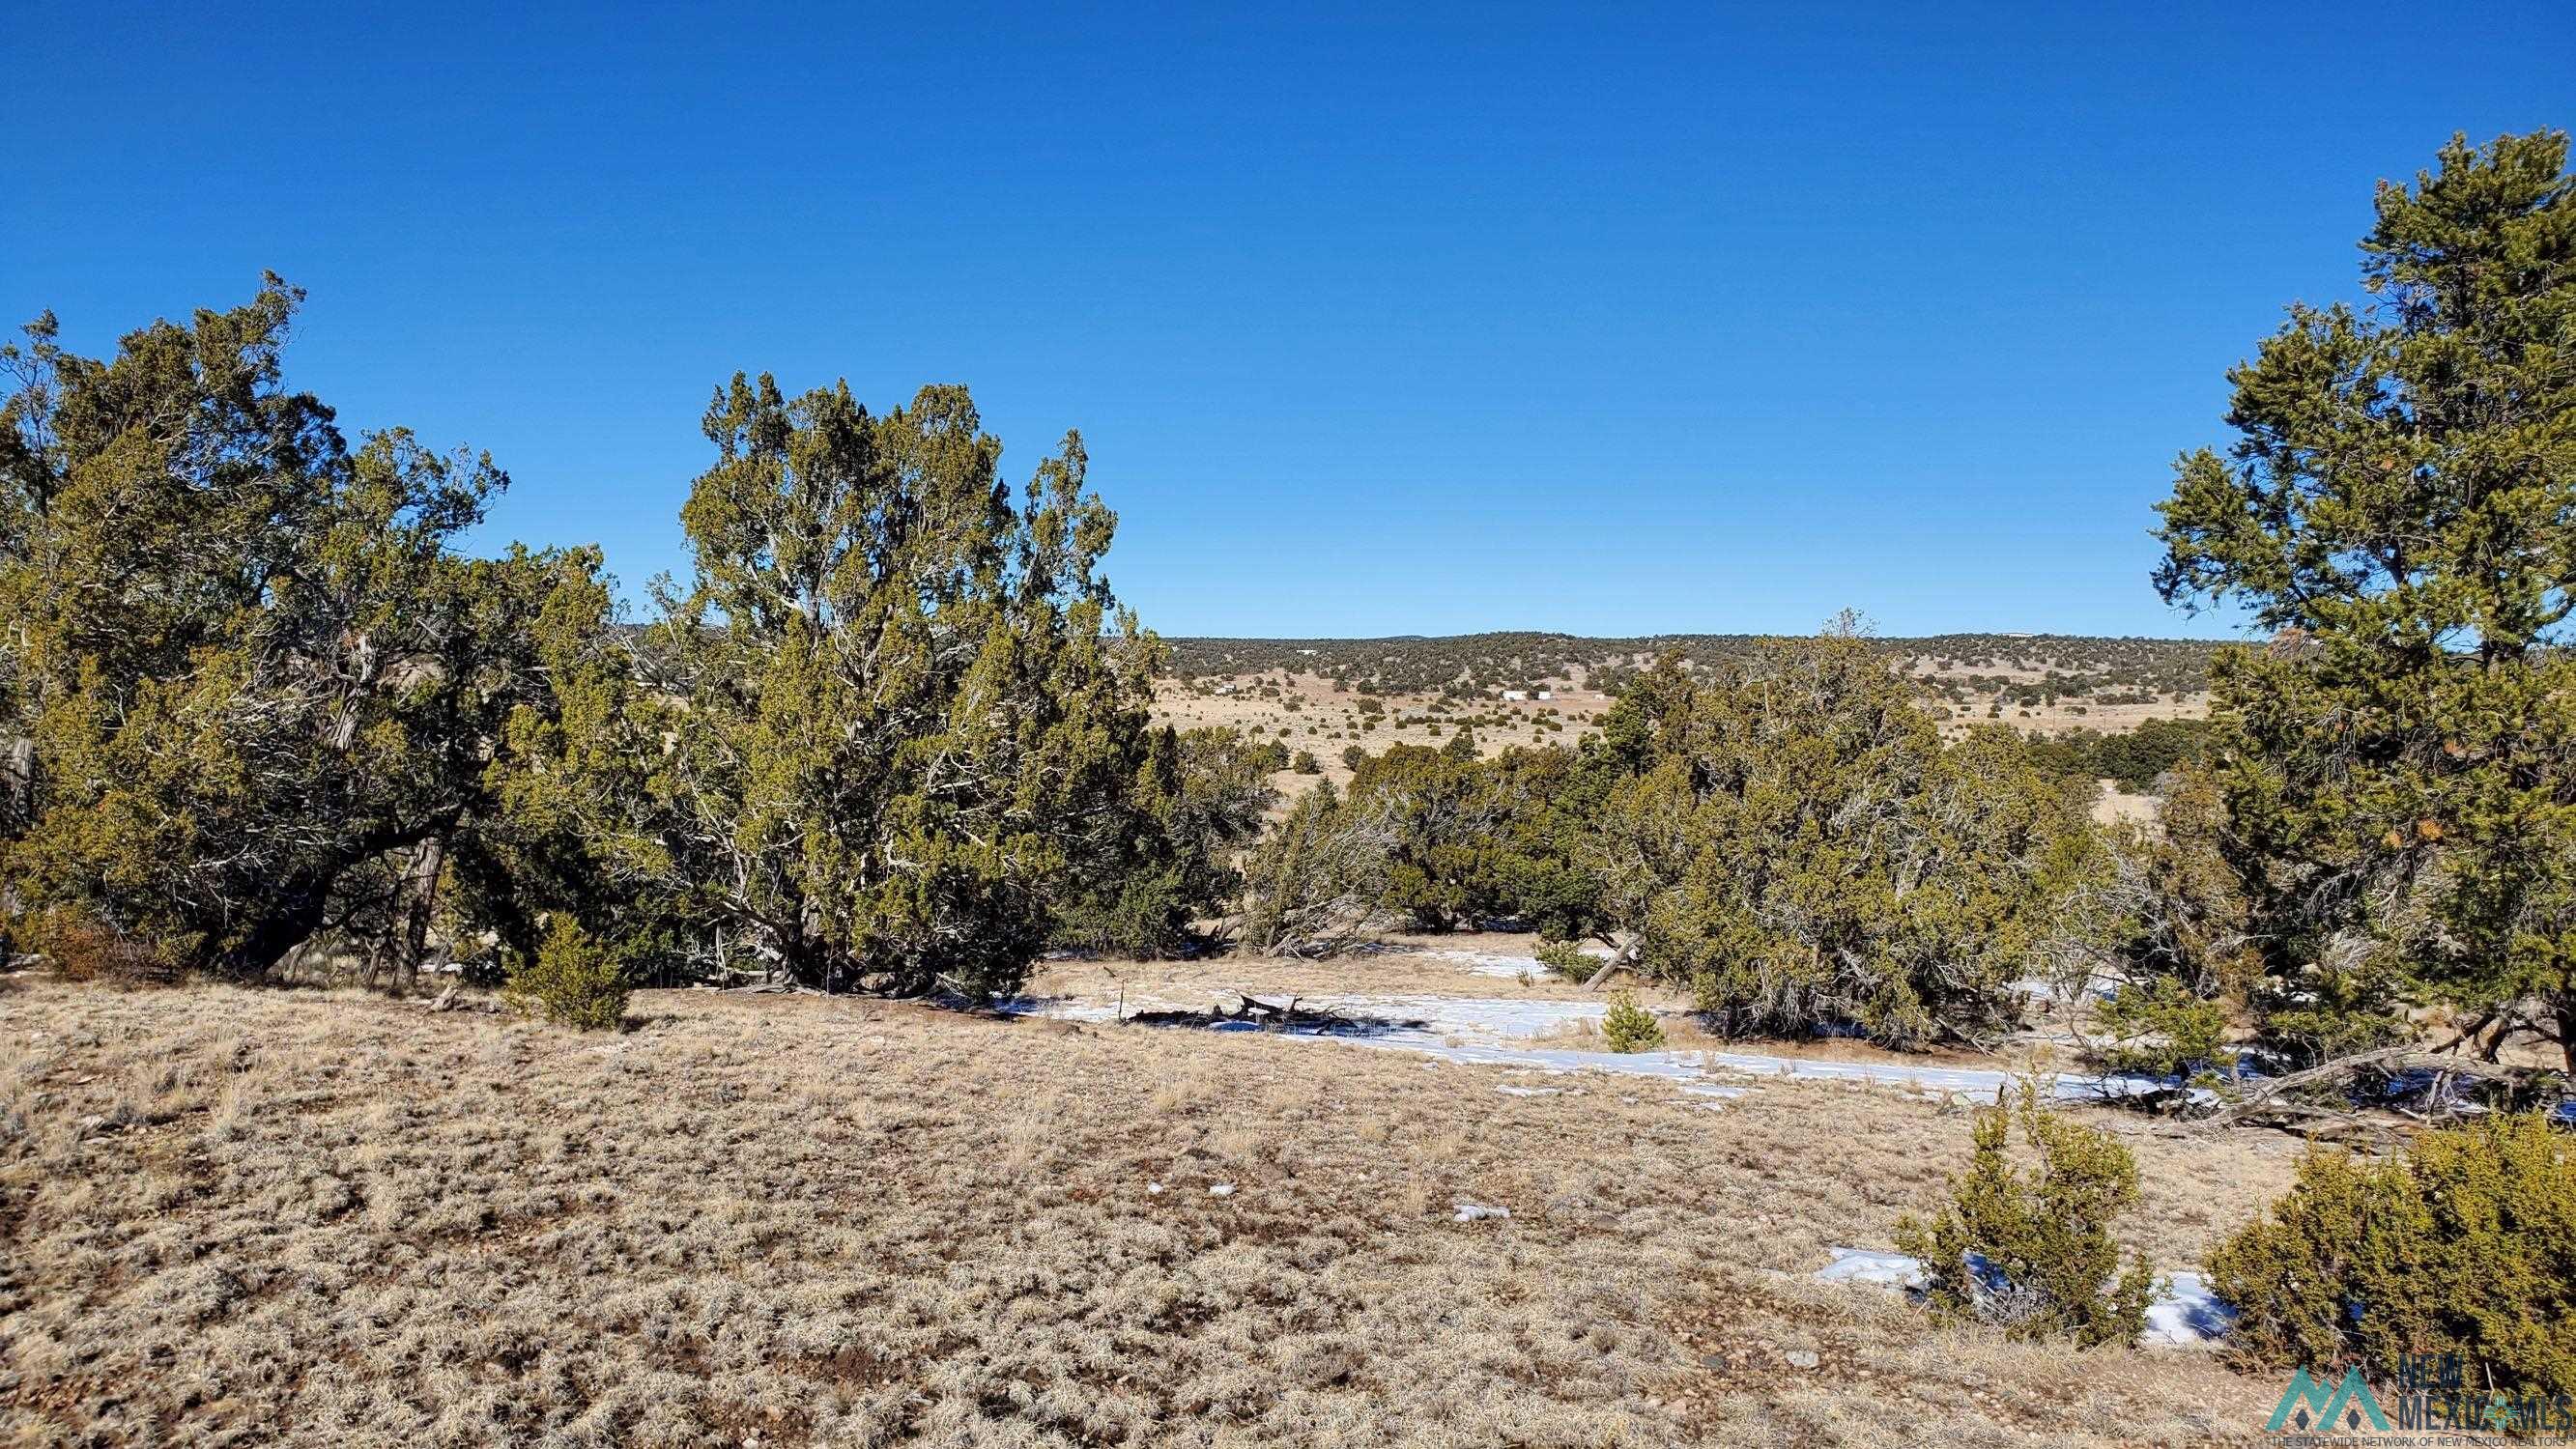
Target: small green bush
<point>1628,1027</point>
<point>573,981</point>
<point>2466,1244</point>
<point>1565,958</point>
<point>2162,1029</point>
<point>1307,764</point>
<point>2044,1262</point>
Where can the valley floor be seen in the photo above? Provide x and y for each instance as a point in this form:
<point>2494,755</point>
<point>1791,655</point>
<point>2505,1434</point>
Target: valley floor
<point>232,1216</point>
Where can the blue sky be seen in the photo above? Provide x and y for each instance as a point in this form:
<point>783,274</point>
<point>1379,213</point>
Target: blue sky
<point>1375,320</point>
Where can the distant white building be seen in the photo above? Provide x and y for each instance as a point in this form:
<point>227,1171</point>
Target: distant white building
<point>1515,694</point>
<point>1547,694</point>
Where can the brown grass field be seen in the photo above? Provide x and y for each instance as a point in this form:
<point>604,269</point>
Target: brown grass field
<point>250,1217</point>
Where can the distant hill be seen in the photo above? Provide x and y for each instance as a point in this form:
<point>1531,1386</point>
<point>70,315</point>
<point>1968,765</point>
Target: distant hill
<point>2006,669</point>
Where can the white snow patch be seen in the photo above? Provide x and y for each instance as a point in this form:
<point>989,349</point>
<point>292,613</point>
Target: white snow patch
<point>1221,1189</point>
<point>1491,1032</point>
<point>2186,1313</point>
<point>1712,1089</point>
<point>1512,1091</point>
<point>1861,1265</point>
<point>1469,1212</point>
<point>1503,964</point>
<point>2183,1314</point>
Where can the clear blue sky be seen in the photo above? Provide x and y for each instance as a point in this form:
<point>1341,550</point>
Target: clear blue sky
<point>1380,320</point>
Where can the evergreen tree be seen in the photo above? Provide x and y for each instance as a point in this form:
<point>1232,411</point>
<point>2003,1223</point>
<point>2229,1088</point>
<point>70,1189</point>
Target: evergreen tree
<point>254,692</point>
<point>1789,839</point>
<point>896,706</point>
<point>2400,504</point>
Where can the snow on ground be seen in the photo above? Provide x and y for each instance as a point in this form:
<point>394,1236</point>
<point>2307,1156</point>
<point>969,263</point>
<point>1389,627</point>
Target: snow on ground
<point>1502,963</point>
<point>1506,1033</point>
<point>1503,1032</point>
<point>2184,1314</point>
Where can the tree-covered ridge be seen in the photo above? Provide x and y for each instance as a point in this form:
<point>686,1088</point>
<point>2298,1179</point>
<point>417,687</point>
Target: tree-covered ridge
<point>1957,667</point>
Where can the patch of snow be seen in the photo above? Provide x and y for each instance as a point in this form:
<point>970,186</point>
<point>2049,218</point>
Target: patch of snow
<point>1512,1091</point>
<point>1502,964</point>
<point>1221,1189</point>
<point>1712,1089</point>
<point>1154,1189</point>
<point>1504,1033</point>
<point>1862,1265</point>
<point>2184,1313</point>
<point>1469,1212</point>
<point>2187,1314</point>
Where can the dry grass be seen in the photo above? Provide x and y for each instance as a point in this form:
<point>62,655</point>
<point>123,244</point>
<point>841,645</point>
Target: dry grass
<point>255,1217</point>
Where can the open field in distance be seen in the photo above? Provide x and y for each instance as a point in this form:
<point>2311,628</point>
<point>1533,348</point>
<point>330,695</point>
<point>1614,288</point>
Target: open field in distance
<point>1327,695</point>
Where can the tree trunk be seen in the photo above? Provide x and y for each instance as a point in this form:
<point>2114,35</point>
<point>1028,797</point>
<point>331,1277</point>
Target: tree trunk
<point>298,914</point>
<point>419,898</point>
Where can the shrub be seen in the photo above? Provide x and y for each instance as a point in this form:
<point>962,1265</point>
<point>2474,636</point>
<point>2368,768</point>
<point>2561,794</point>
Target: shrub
<point>1790,839</point>
<point>1628,1027</point>
<point>572,981</point>
<point>2031,1250</point>
<point>82,947</point>
<point>1307,764</point>
<point>2160,1028</point>
<point>2466,1244</point>
<point>1316,879</point>
<point>1566,958</point>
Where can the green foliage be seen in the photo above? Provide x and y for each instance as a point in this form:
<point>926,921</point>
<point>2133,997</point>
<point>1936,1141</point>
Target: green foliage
<point>2159,1027</point>
<point>2044,1263</point>
<point>1307,764</point>
<point>1566,958</point>
<point>1789,839</point>
<point>1628,1027</point>
<point>1439,818</point>
<point>896,708</point>
<point>2465,1244</point>
<point>1317,880</point>
<point>2400,502</point>
<point>254,688</point>
<point>1197,799</point>
<point>2135,760</point>
<point>570,981</point>
<point>1473,840</point>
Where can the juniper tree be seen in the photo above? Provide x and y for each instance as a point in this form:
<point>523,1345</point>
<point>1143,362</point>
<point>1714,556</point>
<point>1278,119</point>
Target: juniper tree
<point>1197,798</point>
<point>2400,503</point>
<point>254,690</point>
<point>1789,839</point>
<point>895,706</point>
